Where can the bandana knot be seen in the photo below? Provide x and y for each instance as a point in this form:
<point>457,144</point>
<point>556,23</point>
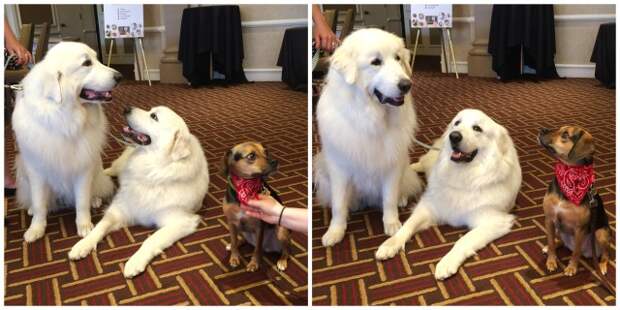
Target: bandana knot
<point>246,188</point>
<point>574,181</point>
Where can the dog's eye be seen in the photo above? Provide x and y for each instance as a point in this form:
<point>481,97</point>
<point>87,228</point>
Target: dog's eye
<point>154,116</point>
<point>251,156</point>
<point>477,128</point>
<point>565,135</point>
<point>397,58</point>
<point>87,63</point>
<point>376,62</point>
<point>457,123</point>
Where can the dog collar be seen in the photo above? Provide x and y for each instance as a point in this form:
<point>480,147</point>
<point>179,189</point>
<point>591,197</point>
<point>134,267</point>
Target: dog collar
<point>242,190</point>
<point>574,181</point>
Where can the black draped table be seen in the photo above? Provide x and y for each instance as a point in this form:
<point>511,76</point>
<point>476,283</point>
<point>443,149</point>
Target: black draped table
<point>522,34</point>
<point>210,41</point>
<point>294,58</point>
<point>604,55</point>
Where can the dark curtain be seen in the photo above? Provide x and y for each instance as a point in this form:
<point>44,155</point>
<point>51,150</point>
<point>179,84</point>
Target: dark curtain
<point>523,33</point>
<point>211,38</point>
<point>604,55</point>
<point>293,58</point>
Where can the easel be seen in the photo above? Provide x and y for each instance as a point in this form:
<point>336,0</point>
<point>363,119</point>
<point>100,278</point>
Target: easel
<point>138,47</point>
<point>443,49</point>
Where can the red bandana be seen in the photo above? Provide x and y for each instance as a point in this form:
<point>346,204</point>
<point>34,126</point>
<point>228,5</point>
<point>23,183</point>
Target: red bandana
<point>574,181</point>
<point>247,188</point>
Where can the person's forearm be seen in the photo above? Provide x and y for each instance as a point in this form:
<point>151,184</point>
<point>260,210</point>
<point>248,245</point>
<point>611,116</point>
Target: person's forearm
<point>8,34</point>
<point>317,15</point>
<point>295,219</point>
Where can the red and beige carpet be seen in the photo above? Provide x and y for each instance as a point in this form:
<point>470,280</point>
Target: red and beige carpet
<point>511,270</point>
<point>195,270</point>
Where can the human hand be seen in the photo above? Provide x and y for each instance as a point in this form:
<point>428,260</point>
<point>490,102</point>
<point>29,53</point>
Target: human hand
<point>324,37</point>
<point>265,208</point>
<point>22,54</point>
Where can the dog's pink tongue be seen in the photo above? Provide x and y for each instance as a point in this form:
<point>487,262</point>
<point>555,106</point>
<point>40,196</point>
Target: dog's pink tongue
<point>457,155</point>
<point>141,137</point>
<point>90,94</point>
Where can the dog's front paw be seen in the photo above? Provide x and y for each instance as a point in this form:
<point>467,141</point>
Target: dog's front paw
<point>446,267</point>
<point>282,263</point>
<point>234,260</point>
<point>333,235</point>
<point>390,228</point>
<point>252,265</point>
<point>83,228</point>
<point>34,233</point>
<point>403,202</point>
<point>110,172</point>
<point>81,249</point>
<point>571,269</point>
<point>389,248</point>
<point>96,202</point>
<point>134,267</point>
<point>552,263</point>
<point>603,267</point>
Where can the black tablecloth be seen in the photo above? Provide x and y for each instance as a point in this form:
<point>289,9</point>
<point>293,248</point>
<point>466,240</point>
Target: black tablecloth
<point>211,32</point>
<point>530,28</point>
<point>604,55</point>
<point>294,58</point>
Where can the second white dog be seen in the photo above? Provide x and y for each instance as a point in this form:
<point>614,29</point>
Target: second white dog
<point>163,180</point>
<point>473,181</point>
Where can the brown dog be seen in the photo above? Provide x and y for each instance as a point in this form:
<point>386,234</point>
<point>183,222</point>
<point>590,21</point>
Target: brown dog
<point>572,207</point>
<point>246,167</point>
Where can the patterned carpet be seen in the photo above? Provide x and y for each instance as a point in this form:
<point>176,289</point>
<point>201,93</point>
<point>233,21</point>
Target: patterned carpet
<point>194,270</point>
<point>511,270</point>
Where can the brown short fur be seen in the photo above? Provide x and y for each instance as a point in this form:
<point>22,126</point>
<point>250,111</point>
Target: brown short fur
<point>572,145</point>
<point>240,162</point>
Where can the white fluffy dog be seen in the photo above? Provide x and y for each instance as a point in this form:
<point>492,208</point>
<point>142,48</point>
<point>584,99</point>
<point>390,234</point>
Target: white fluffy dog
<point>473,182</point>
<point>163,179</point>
<point>60,130</point>
<point>366,121</point>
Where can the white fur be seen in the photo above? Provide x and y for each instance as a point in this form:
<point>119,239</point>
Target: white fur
<point>161,184</point>
<point>364,144</point>
<point>478,194</point>
<point>60,137</point>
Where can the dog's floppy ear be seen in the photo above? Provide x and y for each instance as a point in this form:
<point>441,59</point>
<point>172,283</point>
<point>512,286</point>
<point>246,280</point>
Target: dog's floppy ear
<point>406,57</point>
<point>227,156</point>
<point>49,85</point>
<point>504,141</point>
<point>342,61</point>
<point>180,146</point>
<point>582,151</point>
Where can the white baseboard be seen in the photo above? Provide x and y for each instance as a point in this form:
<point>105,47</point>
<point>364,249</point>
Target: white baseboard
<point>576,70</point>
<point>253,74</point>
<point>461,67</point>
<point>263,74</point>
<point>154,74</point>
<point>564,70</point>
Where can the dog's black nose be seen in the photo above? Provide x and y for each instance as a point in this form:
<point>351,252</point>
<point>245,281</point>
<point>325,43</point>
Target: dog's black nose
<point>118,76</point>
<point>404,85</point>
<point>127,110</point>
<point>455,137</point>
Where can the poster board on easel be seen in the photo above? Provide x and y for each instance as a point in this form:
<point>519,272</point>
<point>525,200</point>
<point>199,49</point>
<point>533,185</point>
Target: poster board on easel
<point>126,21</point>
<point>434,16</point>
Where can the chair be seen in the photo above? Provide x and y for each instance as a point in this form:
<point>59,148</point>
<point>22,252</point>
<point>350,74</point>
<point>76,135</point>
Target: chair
<point>42,42</point>
<point>347,25</point>
<point>27,39</point>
